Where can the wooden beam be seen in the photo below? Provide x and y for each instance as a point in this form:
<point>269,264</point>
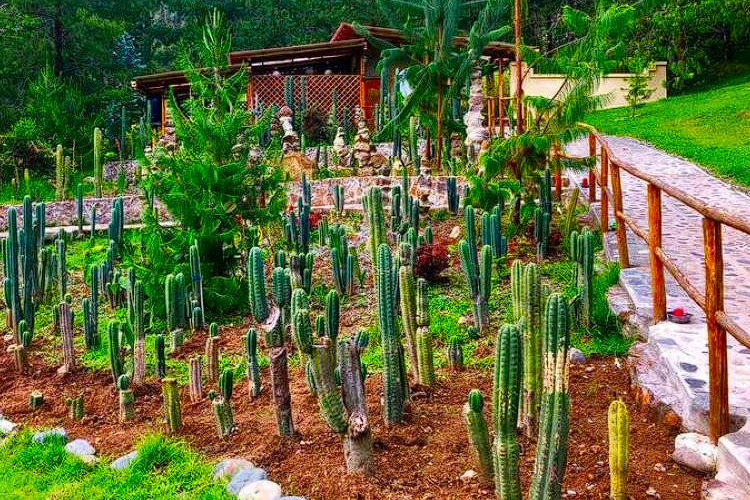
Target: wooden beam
<point>605,196</point>
<point>622,234</point>
<point>718,376</point>
<point>658,286</point>
<point>592,177</point>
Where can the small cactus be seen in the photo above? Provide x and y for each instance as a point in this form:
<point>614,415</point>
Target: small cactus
<point>195,383</point>
<point>171,397</point>
<point>115,355</point>
<point>36,399</point>
<point>212,358</point>
<point>253,368</point>
<point>126,398</point>
<point>75,407</point>
<point>222,405</point>
<point>618,422</point>
<point>455,354</point>
<point>478,273</point>
<point>66,330</point>
<point>479,438</point>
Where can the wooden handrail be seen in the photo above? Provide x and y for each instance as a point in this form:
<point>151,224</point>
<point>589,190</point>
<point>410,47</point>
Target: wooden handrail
<point>718,323</point>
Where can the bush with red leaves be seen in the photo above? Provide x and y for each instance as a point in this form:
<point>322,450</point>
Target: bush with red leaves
<point>432,259</point>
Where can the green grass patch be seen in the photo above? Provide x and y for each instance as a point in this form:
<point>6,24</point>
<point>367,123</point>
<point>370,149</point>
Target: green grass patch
<point>711,127</point>
<point>164,469</point>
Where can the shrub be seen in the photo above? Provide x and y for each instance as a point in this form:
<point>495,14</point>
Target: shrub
<point>432,259</point>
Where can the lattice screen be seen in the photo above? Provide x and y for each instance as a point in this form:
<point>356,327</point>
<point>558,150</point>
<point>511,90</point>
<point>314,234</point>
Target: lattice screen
<point>269,90</point>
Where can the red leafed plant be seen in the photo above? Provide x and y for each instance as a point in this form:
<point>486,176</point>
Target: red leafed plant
<point>315,219</point>
<point>432,259</point>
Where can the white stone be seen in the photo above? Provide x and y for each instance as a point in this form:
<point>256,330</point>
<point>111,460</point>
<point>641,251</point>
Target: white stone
<point>7,427</point>
<point>468,475</point>
<point>695,451</point>
<point>455,232</point>
<point>229,467</point>
<point>124,461</point>
<point>80,448</point>
<point>260,490</point>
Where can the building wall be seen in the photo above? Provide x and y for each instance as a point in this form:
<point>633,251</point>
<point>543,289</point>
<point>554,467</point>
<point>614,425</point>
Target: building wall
<point>615,84</point>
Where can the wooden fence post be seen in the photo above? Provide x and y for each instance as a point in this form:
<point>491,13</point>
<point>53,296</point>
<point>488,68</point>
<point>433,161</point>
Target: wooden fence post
<point>718,393</point>
<point>658,287</point>
<point>622,235</point>
<point>604,205</point>
<point>592,177</point>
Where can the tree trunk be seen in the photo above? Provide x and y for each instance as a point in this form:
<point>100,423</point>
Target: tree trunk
<point>358,439</point>
<point>519,70</point>
<point>282,399</point>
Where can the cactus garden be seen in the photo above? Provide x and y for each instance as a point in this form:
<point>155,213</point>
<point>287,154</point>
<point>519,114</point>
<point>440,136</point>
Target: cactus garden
<point>361,303</point>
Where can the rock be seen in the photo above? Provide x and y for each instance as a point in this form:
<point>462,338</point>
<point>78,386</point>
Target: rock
<point>227,468</point>
<point>7,427</point>
<point>124,461</point>
<point>79,448</point>
<point>468,475</point>
<point>455,233</point>
<point>659,467</point>
<point>42,436</point>
<point>88,459</point>
<point>260,490</point>
<point>244,477</point>
<point>695,451</point>
<point>576,356</point>
<point>651,492</point>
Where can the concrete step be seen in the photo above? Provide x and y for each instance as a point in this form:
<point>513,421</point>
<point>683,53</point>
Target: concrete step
<point>734,460</point>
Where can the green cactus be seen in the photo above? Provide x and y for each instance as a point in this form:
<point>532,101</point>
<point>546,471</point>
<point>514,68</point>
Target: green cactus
<point>618,423</point>
<point>492,232</point>
<point>252,365</point>
<point>479,437</point>
<point>126,398</point>
<point>62,268</point>
<point>213,330</point>
<point>516,288</point>
<point>338,198</point>
<point>531,329</point>
<point>301,266</point>
<point>98,171</point>
<point>333,307</point>
<point>552,443</point>
<point>282,293</point>
<point>197,279</point>
<point>455,354</point>
<point>582,252</point>
<point>171,398</point>
<point>65,319</point>
<point>59,174</point>
<point>425,356</point>
<point>342,262</point>
<point>394,393</point>
<point>479,278</point>
<point>408,302</point>
<point>505,402</point>
<point>36,399</point>
<point>115,354</point>
<point>222,405</point>
<point>257,285</point>
<point>543,215</point>
<point>75,407</point>
<point>373,205</point>
<point>453,196</point>
<point>160,356</point>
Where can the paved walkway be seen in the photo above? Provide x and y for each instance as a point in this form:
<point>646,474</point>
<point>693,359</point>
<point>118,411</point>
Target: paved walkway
<point>683,350</point>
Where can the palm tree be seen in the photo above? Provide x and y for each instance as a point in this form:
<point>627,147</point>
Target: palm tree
<point>434,67</point>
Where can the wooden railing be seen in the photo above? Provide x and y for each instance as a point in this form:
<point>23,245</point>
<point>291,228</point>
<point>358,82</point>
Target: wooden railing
<point>608,178</point>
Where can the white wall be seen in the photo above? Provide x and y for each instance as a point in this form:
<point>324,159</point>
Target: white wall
<point>616,84</point>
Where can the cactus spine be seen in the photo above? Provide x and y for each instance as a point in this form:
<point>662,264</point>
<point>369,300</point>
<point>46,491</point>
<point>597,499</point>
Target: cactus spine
<point>126,398</point>
<point>171,397</point>
<point>98,162</point>
<point>618,423</point>
<point>479,437</point>
<point>552,443</point>
<point>394,383</point>
<point>195,383</point>
<point>252,366</point>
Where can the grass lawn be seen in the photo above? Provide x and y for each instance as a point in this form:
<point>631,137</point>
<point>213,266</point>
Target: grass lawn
<point>711,128</point>
<point>163,469</point>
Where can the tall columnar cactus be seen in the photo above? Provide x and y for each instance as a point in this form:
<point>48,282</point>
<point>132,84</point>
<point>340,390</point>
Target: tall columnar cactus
<point>424,338</point>
<point>322,355</point>
<point>396,214</point>
<point>342,262</point>
<point>552,443</point>
<point>11,283</point>
<point>195,383</point>
<point>197,278</point>
<point>62,267</point>
<point>618,423</point>
<point>79,209</point>
<point>373,204</point>
<point>332,321</point>
<point>543,215</point>
<point>175,301</point>
<point>492,232</point>
<point>115,354</point>
<point>453,196</point>
<point>394,383</point>
<point>66,330</point>
<point>531,329</point>
<point>171,397</point>
<point>93,221</point>
<point>301,266</point>
<point>98,170</point>
<point>478,275</point>
<point>479,437</point>
<point>126,398</point>
<point>160,358</point>
<point>408,302</point>
<point>516,288</point>
<point>339,201</point>
<point>505,401</point>
<point>282,294</point>
<point>251,363</point>
<point>222,405</point>
<point>59,173</point>
<point>212,358</point>
<point>582,253</point>
<point>257,285</point>
<point>139,331</point>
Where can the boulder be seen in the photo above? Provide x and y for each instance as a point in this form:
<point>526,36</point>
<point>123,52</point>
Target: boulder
<point>695,451</point>
<point>245,477</point>
<point>42,436</point>
<point>80,447</point>
<point>260,490</point>
<point>124,461</point>
<point>6,426</point>
<point>576,356</point>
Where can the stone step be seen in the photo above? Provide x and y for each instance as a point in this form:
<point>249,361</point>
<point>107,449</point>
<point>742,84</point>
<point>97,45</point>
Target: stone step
<point>734,460</point>
<point>719,490</point>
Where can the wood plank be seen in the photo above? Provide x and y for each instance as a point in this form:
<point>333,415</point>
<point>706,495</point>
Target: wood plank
<point>622,234</point>
<point>718,376</point>
<point>592,178</point>
<point>658,287</point>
